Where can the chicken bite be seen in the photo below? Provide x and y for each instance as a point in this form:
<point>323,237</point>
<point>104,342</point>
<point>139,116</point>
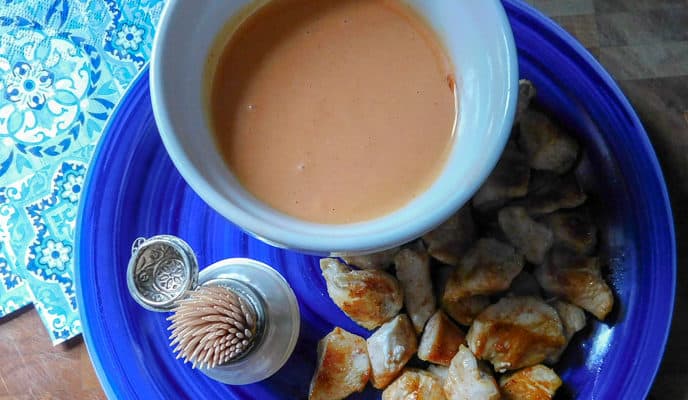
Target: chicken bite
<point>572,317</point>
<point>414,384</point>
<point>390,348</point>
<point>573,230</point>
<point>577,279</point>
<point>545,143</point>
<point>572,320</point>
<point>468,380</point>
<point>508,180</point>
<point>516,332</point>
<point>413,273</point>
<point>549,192</point>
<point>462,311</point>
<point>533,383</point>
<point>342,368</point>
<point>441,340</point>
<point>465,310</point>
<point>489,267</point>
<point>368,297</point>
<point>526,93</point>
<point>531,238</point>
<point>380,260</point>
<point>440,371</point>
<point>449,241</point>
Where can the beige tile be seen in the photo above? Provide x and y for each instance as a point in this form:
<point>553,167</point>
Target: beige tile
<point>603,6</point>
<point>582,27</point>
<point>643,27</point>
<point>646,61</point>
<point>555,8</point>
<point>669,386</point>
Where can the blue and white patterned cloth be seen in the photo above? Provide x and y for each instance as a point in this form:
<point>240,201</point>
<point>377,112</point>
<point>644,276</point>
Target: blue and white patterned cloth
<point>64,65</point>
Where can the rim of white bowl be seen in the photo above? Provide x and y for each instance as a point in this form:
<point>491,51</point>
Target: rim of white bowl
<point>307,237</point>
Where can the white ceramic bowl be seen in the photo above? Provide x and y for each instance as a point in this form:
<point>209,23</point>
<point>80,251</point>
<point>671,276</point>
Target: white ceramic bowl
<point>478,39</point>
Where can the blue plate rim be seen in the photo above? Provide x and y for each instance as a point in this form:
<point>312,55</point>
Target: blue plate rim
<point>134,90</point>
<point>553,30</point>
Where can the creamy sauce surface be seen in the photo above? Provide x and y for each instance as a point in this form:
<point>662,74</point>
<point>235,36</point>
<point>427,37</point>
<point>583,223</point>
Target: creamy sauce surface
<point>334,111</point>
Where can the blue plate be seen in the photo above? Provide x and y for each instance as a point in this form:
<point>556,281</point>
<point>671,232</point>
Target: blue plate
<point>133,190</point>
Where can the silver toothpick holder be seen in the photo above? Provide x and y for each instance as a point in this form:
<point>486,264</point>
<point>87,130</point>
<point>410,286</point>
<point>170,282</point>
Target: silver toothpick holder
<point>163,272</point>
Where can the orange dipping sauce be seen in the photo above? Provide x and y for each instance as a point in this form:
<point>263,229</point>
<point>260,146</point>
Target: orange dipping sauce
<point>334,111</point>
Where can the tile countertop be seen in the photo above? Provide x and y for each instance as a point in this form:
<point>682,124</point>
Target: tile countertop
<point>642,43</point>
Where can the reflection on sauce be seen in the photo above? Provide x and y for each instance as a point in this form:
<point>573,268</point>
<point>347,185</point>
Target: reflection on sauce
<point>334,111</point>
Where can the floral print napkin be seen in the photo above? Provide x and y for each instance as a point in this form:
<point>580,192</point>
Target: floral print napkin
<point>64,65</point>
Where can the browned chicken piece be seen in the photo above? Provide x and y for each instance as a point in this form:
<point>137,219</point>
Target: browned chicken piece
<point>576,279</point>
<point>415,384</point>
<point>545,143</point>
<point>379,260</point>
<point>573,230</point>
<point>343,367</point>
<point>586,172</point>
<point>572,319</point>
<point>413,273</point>
<point>531,238</point>
<point>468,380</point>
<point>368,297</point>
<point>533,383</point>
<point>549,192</point>
<point>441,340</point>
<point>507,181</point>
<point>440,371</point>
<point>525,284</point>
<point>390,348</point>
<point>489,267</point>
<point>516,332</point>
<point>526,93</point>
<point>449,241</point>
<point>465,310</point>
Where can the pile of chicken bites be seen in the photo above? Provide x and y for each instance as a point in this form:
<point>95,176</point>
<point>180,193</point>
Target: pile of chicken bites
<point>486,303</point>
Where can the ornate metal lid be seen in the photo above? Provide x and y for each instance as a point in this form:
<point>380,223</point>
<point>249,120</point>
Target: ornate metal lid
<point>163,275</point>
<point>160,272</point>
